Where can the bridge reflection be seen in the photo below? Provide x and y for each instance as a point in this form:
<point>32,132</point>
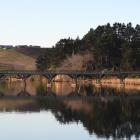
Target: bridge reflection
<point>37,86</point>
<point>79,91</point>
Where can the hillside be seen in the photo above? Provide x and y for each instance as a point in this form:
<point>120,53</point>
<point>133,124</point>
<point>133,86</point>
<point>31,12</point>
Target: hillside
<point>13,60</point>
<point>32,52</point>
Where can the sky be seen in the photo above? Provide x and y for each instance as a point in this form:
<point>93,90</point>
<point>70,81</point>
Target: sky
<point>44,22</point>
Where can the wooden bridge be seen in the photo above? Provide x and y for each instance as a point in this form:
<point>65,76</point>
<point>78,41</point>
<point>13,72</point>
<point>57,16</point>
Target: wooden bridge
<point>73,74</point>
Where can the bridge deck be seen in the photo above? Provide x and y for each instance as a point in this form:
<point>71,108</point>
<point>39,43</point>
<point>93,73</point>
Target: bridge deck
<point>70,72</point>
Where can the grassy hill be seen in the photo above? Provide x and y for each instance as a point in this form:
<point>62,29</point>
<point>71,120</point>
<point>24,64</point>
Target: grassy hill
<point>24,59</point>
<point>32,52</point>
<point>12,59</point>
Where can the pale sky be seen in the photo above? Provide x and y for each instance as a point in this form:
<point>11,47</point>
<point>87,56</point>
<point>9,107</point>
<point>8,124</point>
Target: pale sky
<point>44,22</point>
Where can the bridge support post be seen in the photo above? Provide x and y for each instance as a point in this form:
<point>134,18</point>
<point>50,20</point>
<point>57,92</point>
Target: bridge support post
<point>83,79</point>
<point>98,82</point>
<point>74,81</point>
<point>49,84</point>
<point>24,92</point>
<point>25,84</point>
<point>50,77</point>
<point>24,78</point>
<point>122,81</point>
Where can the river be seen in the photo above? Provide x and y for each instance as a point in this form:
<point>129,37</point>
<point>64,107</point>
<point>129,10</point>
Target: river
<point>64,112</point>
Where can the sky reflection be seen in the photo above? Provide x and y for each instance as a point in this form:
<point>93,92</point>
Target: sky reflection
<point>38,126</point>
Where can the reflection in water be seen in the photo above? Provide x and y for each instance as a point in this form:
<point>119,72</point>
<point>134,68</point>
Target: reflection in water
<point>39,88</point>
<point>105,117</point>
<point>23,93</point>
<point>105,112</point>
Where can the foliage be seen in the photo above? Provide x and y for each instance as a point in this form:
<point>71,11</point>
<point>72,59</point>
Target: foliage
<point>115,47</point>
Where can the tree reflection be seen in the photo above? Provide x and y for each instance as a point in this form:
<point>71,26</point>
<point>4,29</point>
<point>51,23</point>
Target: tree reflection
<point>117,118</point>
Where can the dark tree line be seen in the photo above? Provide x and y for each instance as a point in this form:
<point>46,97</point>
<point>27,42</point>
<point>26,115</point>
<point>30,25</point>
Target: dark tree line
<point>115,47</point>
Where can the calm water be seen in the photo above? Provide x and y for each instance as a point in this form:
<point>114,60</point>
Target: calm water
<point>63,112</point>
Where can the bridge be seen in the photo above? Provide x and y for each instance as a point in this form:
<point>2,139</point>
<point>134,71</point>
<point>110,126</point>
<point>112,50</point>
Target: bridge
<point>24,74</point>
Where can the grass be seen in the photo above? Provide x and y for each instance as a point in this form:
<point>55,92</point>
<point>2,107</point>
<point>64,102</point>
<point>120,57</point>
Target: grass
<point>12,59</point>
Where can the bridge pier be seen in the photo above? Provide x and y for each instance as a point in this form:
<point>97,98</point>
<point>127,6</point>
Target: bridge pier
<point>25,84</point>
<point>122,80</point>
<point>24,77</point>
<point>24,92</point>
<point>83,79</point>
<point>98,82</point>
<point>49,77</point>
<point>49,84</point>
<point>74,82</point>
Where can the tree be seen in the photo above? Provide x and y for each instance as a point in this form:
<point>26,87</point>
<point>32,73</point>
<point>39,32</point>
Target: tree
<point>116,46</point>
<point>41,63</point>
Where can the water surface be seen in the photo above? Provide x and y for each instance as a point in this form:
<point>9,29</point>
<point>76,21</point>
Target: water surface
<point>34,111</point>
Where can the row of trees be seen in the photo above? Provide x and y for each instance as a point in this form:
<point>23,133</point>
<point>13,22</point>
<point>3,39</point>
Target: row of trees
<point>114,47</point>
